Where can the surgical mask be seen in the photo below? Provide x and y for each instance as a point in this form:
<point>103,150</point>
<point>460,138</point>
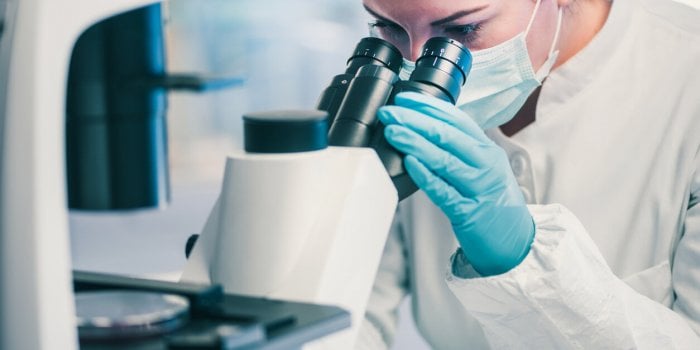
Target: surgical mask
<point>502,78</point>
<point>407,69</point>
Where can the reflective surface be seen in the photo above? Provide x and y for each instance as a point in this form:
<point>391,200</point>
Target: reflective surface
<point>128,314</point>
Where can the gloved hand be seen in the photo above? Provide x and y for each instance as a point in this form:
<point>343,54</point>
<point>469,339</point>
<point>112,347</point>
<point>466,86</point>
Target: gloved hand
<point>465,174</point>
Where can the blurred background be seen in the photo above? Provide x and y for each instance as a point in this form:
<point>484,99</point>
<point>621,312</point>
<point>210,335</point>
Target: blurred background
<point>285,53</point>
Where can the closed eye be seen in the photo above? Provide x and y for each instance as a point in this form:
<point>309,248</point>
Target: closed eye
<point>466,34</point>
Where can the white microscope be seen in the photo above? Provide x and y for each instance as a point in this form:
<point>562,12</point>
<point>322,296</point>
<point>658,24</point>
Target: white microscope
<point>295,220</point>
<point>82,125</point>
<point>298,221</point>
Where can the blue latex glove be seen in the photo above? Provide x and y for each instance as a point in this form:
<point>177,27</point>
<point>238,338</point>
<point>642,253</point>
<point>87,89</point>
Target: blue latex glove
<point>465,174</point>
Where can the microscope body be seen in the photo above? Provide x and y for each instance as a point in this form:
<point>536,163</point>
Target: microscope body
<point>305,226</point>
<point>310,224</point>
<point>37,301</point>
<point>440,71</point>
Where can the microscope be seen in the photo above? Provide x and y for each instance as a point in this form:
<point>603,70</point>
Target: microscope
<point>82,126</point>
<point>299,220</point>
<point>290,250</point>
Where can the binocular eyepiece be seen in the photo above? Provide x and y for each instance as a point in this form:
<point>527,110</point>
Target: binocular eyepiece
<point>369,51</point>
<point>444,64</point>
<point>371,81</point>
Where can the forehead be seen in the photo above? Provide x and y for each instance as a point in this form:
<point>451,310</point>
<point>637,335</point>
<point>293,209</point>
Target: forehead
<point>422,10</point>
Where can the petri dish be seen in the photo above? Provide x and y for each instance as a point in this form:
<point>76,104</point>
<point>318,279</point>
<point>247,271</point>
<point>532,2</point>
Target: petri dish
<point>125,314</point>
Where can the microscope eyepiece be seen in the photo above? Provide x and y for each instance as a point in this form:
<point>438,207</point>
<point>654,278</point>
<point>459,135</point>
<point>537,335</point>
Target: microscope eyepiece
<point>444,64</point>
<point>374,51</point>
<point>369,51</point>
<point>449,50</point>
<point>440,71</point>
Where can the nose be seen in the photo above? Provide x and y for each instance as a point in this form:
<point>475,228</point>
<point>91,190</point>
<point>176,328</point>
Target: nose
<point>416,44</point>
<point>416,49</point>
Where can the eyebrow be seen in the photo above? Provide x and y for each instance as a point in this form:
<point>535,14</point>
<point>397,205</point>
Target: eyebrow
<point>378,16</point>
<point>456,15</point>
<point>448,19</point>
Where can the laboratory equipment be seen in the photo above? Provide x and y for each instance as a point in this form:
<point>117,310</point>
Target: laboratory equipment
<point>63,101</point>
<point>297,220</point>
<point>191,316</point>
<point>116,104</point>
<point>116,315</point>
<point>440,71</point>
<point>300,221</point>
<point>116,140</point>
<point>369,51</point>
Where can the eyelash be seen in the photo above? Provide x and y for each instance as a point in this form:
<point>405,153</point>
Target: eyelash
<point>388,31</point>
<point>382,25</point>
<point>466,34</point>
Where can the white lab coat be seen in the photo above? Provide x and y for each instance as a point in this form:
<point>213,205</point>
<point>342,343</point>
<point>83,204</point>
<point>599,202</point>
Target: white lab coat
<point>616,261</point>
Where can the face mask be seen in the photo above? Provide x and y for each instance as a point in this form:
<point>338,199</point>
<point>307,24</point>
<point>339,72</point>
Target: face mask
<point>407,69</point>
<point>502,78</point>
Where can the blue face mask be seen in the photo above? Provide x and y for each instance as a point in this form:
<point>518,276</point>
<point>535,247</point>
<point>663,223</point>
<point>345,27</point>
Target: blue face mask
<point>501,78</point>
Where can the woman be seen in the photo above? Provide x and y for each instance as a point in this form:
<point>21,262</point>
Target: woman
<point>573,221</point>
